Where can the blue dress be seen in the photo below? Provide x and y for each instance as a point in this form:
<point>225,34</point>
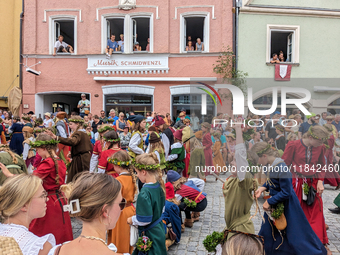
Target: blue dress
<point>17,138</point>
<point>171,215</point>
<point>299,237</point>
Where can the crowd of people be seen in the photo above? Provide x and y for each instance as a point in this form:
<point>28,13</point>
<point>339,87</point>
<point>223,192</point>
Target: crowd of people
<point>128,178</point>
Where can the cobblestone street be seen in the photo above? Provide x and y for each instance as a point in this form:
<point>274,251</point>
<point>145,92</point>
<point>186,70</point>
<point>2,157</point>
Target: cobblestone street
<point>212,219</point>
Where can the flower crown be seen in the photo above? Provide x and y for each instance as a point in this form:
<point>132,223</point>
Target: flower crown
<point>76,120</point>
<point>38,130</point>
<point>324,140</point>
<point>145,167</point>
<point>26,118</point>
<point>37,144</point>
<point>110,120</point>
<point>101,130</point>
<point>280,128</point>
<point>118,162</point>
<point>111,140</point>
<point>261,152</point>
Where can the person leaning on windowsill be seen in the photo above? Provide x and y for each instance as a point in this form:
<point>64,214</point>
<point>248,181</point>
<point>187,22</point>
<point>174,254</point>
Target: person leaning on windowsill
<point>61,46</point>
<point>274,59</point>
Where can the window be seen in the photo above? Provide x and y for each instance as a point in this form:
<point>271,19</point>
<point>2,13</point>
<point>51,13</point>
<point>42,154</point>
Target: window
<point>334,107</point>
<point>137,31</point>
<point>283,39</point>
<point>139,104</point>
<point>65,26</point>
<point>194,28</point>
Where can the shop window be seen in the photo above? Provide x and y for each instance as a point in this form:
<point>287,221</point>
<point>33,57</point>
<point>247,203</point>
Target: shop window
<point>139,104</point>
<point>283,40</point>
<point>136,30</point>
<point>195,28</point>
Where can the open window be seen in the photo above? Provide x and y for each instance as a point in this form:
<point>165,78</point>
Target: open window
<point>283,39</point>
<point>141,33</point>
<point>66,29</point>
<point>194,30</point>
<point>65,25</point>
<point>115,26</point>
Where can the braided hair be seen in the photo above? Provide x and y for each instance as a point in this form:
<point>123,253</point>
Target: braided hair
<point>51,150</point>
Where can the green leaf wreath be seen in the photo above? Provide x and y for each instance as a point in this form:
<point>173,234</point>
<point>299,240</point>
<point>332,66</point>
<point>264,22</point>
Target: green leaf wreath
<point>211,241</point>
<point>37,144</point>
<point>144,244</point>
<point>118,163</point>
<point>145,167</point>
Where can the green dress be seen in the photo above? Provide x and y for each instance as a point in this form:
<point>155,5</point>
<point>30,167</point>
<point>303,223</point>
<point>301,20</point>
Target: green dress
<point>6,159</point>
<point>149,207</point>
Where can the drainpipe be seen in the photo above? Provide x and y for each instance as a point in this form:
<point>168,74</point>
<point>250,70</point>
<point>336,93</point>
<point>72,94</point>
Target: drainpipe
<point>21,59</point>
<point>238,4</point>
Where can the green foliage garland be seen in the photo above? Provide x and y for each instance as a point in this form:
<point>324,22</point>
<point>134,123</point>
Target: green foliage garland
<point>190,203</point>
<point>101,130</point>
<point>145,167</point>
<point>211,241</point>
<point>118,163</point>
<point>305,189</point>
<point>37,144</point>
<point>144,244</point>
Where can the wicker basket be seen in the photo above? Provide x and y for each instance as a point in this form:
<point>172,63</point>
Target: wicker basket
<point>8,246</point>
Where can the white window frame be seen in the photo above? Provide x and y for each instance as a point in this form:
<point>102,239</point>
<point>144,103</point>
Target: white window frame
<point>296,40</point>
<point>52,32</point>
<point>206,30</point>
<point>128,30</point>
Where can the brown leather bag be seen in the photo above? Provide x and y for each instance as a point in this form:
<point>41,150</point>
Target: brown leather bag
<point>172,234</point>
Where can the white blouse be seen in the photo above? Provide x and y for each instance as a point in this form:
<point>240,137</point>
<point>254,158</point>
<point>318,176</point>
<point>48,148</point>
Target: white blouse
<point>29,243</point>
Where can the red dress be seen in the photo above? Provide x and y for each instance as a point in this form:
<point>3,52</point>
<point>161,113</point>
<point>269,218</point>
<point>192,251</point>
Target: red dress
<point>298,156</point>
<point>97,149</point>
<point>186,161</point>
<point>332,177</point>
<point>55,221</point>
<point>103,164</point>
<point>207,143</point>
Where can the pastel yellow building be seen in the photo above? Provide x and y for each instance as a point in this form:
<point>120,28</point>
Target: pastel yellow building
<point>10,11</point>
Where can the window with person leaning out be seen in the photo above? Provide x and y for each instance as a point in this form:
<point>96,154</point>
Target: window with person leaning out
<point>62,47</point>
<point>112,46</point>
<point>278,58</point>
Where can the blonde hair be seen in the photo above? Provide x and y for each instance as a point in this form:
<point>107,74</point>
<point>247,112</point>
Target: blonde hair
<point>328,127</point>
<point>151,159</point>
<point>5,148</point>
<point>291,136</point>
<point>318,131</point>
<point>241,244</point>
<point>16,192</point>
<point>178,184</point>
<point>124,156</point>
<point>195,144</point>
<point>89,189</point>
<point>158,146</point>
<point>80,124</point>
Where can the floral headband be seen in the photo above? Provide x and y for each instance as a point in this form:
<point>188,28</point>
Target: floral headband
<point>118,162</point>
<point>111,140</point>
<point>261,152</point>
<point>38,144</point>
<point>102,130</point>
<point>110,120</point>
<point>76,120</point>
<point>324,140</point>
<point>145,167</point>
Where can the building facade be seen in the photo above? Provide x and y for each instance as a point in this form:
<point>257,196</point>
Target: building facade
<point>10,48</point>
<point>306,32</point>
<point>155,78</point>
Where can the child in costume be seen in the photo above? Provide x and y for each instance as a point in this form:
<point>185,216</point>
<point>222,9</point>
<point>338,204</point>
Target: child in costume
<point>237,190</point>
<point>298,237</point>
<point>150,203</point>
<point>185,191</point>
<point>136,141</point>
<point>63,130</point>
<point>280,140</point>
<point>156,146</point>
<point>304,156</point>
<point>217,155</point>
<point>12,161</point>
<point>171,215</point>
<point>113,142</point>
<point>17,137</point>
<point>99,146</point>
<point>28,153</point>
<point>207,143</point>
<point>52,170</point>
<point>81,147</point>
<point>120,235</point>
<point>177,154</point>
